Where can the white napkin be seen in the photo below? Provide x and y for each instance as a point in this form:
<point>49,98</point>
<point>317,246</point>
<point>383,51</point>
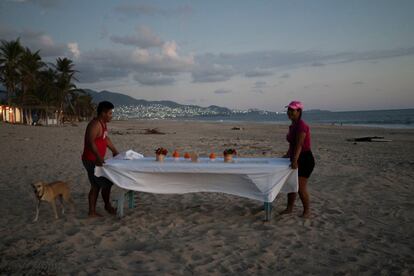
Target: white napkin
<point>129,155</point>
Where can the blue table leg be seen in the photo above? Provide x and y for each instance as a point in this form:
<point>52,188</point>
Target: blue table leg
<point>131,202</point>
<point>268,210</point>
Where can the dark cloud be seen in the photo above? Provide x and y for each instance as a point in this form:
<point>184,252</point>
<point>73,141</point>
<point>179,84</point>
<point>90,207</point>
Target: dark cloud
<point>258,73</point>
<point>147,68</point>
<point>260,84</point>
<point>90,73</point>
<point>317,64</point>
<point>35,41</point>
<point>213,73</point>
<point>143,38</point>
<point>265,61</point>
<point>153,79</point>
<point>375,54</point>
<point>258,91</point>
<point>135,10</point>
<point>222,91</point>
<point>285,76</point>
<point>358,83</point>
<point>42,3</point>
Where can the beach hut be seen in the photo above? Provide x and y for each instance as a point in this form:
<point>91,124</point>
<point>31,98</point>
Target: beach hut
<point>31,115</point>
<point>11,114</point>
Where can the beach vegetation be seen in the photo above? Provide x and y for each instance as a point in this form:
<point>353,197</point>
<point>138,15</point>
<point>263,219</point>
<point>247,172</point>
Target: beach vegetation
<point>42,89</point>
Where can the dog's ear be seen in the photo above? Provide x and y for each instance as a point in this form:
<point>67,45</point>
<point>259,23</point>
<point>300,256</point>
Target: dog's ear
<point>37,183</point>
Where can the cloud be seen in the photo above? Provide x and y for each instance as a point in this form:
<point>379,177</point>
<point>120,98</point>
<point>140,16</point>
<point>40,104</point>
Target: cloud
<point>91,73</point>
<point>260,84</point>
<point>41,3</point>
<point>374,54</point>
<point>74,49</point>
<point>213,73</point>
<point>222,91</point>
<point>142,38</point>
<point>148,68</point>
<point>35,40</point>
<point>358,83</point>
<point>258,73</point>
<point>137,10</point>
<point>154,79</point>
<point>265,62</point>
<point>258,91</point>
<point>285,76</point>
<point>317,64</point>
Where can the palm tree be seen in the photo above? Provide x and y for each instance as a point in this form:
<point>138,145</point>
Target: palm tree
<point>30,67</point>
<point>10,54</point>
<point>81,105</point>
<point>65,86</point>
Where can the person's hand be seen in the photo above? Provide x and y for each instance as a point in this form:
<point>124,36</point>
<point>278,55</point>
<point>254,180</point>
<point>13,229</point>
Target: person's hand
<point>294,164</point>
<point>115,153</point>
<point>99,162</point>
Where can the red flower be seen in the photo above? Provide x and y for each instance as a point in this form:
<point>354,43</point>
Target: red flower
<point>230,151</point>
<point>161,151</point>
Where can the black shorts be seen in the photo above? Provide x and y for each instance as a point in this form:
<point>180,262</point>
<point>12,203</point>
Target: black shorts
<point>306,163</point>
<point>100,182</point>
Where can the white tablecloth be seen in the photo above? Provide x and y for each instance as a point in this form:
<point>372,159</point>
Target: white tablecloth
<point>255,178</point>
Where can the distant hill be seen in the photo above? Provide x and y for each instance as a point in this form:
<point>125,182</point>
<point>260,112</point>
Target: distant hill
<point>120,99</point>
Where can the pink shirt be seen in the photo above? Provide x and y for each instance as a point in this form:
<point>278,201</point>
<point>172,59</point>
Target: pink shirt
<point>294,129</point>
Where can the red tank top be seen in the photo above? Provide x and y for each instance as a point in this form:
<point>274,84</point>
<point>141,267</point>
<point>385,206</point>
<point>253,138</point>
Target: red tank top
<point>100,143</point>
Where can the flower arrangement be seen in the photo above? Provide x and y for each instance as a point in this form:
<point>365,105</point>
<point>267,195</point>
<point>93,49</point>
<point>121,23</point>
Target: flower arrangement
<point>230,152</point>
<point>212,155</point>
<point>187,155</point>
<point>176,154</point>
<point>160,151</point>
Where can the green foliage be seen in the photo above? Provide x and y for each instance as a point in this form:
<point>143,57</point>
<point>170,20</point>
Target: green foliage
<point>31,82</point>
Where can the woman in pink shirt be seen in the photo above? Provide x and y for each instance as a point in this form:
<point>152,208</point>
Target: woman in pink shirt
<point>300,155</point>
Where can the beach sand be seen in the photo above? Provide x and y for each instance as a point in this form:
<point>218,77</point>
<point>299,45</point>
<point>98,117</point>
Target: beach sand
<point>361,199</point>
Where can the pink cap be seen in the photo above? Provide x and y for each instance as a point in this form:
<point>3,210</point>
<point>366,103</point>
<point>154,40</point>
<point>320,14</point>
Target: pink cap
<point>295,105</point>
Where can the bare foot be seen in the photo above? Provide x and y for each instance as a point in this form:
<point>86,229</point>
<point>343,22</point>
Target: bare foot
<point>94,215</point>
<point>286,212</point>
<point>111,210</point>
<point>305,215</point>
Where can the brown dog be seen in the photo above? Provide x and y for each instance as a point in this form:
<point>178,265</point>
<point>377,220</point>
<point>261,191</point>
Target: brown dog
<point>49,192</point>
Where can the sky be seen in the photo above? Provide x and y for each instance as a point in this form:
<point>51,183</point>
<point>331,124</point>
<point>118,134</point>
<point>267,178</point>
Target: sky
<point>333,55</point>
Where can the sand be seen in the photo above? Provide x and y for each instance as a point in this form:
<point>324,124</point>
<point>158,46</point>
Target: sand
<point>361,199</point>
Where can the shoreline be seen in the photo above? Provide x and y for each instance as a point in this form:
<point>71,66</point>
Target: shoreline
<point>284,123</point>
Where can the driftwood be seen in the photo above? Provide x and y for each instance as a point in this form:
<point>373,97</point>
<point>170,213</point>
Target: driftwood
<point>369,139</point>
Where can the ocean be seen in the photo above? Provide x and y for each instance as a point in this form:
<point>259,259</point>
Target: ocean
<point>398,118</point>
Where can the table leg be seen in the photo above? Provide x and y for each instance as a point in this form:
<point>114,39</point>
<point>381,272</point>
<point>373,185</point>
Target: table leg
<point>131,201</point>
<point>120,205</point>
<point>268,210</point>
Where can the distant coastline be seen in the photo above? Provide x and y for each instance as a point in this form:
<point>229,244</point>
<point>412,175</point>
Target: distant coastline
<point>396,119</point>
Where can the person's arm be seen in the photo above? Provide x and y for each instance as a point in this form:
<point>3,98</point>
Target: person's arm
<point>300,139</point>
<point>111,146</point>
<point>92,132</point>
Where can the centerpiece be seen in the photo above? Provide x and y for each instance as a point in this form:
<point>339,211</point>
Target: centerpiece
<point>194,157</point>
<point>187,155</point>
<point>212,156</point>
<point>176,155</point>
<point>160,154</point>
<point>228,155</point>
